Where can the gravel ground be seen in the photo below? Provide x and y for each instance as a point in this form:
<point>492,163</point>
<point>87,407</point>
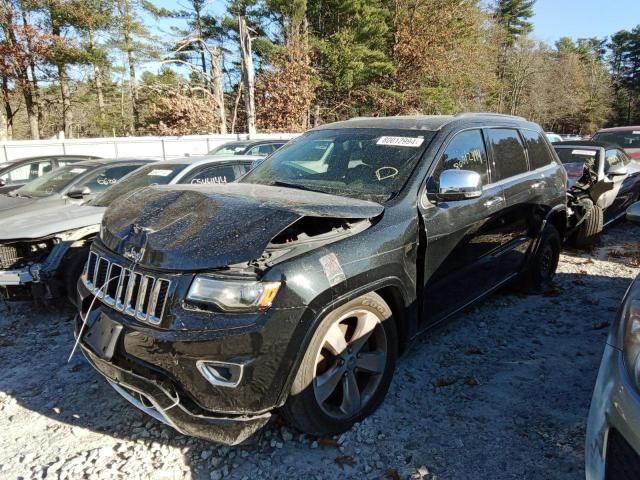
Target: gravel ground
<point>500,392</point>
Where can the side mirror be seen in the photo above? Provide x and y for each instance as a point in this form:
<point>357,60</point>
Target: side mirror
<point>79,192</point>
<point>459,185</point>
<point>633,213</point>
<point>617,171</point>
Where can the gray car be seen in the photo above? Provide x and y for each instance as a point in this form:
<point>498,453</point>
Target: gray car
<point>612,449</point>
<point>74,183</point>
<point>15,173</point>
<point>42,251</point>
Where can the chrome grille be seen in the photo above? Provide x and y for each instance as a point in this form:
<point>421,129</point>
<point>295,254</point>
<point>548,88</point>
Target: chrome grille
<point>9,256</point>
<point>137,294</point>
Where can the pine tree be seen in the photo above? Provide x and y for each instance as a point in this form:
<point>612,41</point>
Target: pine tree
<point>513,16</point>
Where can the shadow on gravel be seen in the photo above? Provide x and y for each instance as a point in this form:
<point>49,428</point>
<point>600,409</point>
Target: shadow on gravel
<point>467,385</point>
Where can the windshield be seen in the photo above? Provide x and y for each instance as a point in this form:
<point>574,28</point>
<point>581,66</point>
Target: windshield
<point>235,148</point>
<point>370,164</point>
<point>628,139</point>
<point>576,159</point>
<point>53,182</point>
<point>144,177</point>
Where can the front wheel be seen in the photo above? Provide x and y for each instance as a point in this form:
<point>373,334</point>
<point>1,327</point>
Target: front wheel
<point>346,370</point>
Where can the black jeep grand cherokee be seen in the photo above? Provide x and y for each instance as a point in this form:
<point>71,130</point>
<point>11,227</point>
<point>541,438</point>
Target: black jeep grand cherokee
<point>296,288</point>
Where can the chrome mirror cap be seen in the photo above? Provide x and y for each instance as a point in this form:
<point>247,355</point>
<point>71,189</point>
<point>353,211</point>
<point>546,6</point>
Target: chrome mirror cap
<point>459,185</point>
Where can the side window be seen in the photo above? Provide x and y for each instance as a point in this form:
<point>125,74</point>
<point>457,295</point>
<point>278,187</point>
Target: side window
<point>465,152</point>
<point>261,150</point>
<point>508,153</point>
<point>40,168</point>
<point>539,154</point>
<point>104,178</point>
<point>18,175</point>
<point>213,174</point>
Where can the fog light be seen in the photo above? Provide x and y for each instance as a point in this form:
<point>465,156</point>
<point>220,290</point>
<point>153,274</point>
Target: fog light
<point>221,374</point>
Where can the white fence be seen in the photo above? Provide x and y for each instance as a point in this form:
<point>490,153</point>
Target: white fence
<point>122,147</point>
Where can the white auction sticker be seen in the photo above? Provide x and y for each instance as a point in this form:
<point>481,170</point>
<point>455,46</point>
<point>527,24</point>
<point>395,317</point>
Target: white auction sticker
<point>412,142</point>
<point>159,173</point>
<point>636,132</point>
<point>590,153</point>
<point>78,170</point>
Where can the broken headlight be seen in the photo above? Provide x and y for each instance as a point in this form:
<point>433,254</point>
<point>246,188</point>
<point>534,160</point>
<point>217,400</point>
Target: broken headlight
<point>233,295</point>
<point>631,325</point>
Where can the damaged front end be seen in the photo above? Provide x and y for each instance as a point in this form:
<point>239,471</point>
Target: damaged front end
<point>585,193</point>
<point>34,268</point>
<point>193,298</point>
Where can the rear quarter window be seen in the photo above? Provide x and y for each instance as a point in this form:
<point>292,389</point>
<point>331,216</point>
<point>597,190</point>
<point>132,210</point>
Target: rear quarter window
<point>539,153</point>
<point>509,158</point>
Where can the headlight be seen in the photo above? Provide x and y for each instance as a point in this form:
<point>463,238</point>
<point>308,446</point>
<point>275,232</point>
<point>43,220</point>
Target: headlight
<point>631,340</point>
<point>234,295</point>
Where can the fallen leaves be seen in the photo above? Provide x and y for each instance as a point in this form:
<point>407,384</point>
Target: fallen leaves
<point>391,474</point>
<point>344,460</point>
<point>327,442</point>
<point>446,382</point>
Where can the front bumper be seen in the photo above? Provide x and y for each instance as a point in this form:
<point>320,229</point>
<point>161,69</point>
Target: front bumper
<point>15,277</point>
<point>165,404</point>
<point>612,449</point>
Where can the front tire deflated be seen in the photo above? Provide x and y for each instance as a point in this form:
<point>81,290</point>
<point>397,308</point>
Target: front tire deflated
<point>347,368</point>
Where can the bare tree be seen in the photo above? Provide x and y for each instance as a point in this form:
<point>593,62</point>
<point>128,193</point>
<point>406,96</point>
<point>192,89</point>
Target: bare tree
<point>247,74</point>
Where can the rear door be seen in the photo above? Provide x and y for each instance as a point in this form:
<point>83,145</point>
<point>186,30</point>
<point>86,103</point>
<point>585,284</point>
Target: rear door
<point>461,236</point>
<point>522,189</point>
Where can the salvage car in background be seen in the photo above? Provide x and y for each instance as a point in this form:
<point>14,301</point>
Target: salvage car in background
<point>42,252</point>
<point>627,138</point>
<point>296,287</point>
<point>15,173</point>
<point>259,148</point>
<point>602,183</point>
<point>74,183</point>
<point>612,449</point>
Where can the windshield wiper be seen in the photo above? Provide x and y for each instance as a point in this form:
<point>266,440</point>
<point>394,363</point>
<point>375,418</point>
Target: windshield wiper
<point>279,183</point>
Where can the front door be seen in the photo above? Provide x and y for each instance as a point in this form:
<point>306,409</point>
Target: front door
<point>461,236</point>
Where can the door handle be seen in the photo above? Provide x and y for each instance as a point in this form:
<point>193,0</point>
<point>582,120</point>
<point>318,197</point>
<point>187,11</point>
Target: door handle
<point>537,185</point>
<point>492,202</point>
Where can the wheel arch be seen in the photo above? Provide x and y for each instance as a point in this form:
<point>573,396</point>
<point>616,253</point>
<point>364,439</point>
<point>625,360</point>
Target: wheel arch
<point>391,290</point>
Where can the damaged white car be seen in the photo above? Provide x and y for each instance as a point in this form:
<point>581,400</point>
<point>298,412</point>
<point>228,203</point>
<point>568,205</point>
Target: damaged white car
<point>42,252</point>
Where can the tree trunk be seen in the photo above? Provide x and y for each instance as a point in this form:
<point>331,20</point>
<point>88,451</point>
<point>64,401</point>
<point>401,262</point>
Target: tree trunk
<point>124,9</point>
<point>247,75</point>
<point>67,113</point>
<point>97,74</point>
<point>7,111</point>
<point>218,90</point>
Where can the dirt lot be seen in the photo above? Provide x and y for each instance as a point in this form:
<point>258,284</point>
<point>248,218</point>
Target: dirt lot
<point>501,392</point>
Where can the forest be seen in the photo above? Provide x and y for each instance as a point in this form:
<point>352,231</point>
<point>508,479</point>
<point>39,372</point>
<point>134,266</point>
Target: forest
<point>94,68</point>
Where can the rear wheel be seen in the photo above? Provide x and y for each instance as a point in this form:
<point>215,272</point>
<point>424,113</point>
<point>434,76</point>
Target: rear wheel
<point>346,370</point>
<point>542,268</point>
<point>589,230</point>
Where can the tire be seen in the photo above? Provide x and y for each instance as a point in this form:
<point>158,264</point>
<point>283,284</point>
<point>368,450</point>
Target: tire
<point>326,408</point>
<point>543,265</point>
<point>589,230</point>
<point>71,269</point>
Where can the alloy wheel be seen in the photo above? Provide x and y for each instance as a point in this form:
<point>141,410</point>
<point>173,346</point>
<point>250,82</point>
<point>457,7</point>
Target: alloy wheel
<point>350,364</point>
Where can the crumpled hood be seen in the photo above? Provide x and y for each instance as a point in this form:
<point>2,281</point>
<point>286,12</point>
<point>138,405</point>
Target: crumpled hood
<point>192,227</point>
<point>48,221</point>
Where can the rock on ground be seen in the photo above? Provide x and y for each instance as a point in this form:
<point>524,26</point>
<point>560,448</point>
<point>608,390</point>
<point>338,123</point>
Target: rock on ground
<point>500,392</point>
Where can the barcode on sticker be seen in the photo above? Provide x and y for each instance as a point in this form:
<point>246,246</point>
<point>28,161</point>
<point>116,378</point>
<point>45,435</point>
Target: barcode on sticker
<point>401,141</point>
<point>159,173</point>
<point>590,153</point>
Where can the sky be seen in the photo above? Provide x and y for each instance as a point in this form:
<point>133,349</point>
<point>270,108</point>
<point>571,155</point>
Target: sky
<point>583,18</point>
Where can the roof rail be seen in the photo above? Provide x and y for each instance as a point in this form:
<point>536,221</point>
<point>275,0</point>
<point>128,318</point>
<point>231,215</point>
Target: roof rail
<point>489,114</point>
